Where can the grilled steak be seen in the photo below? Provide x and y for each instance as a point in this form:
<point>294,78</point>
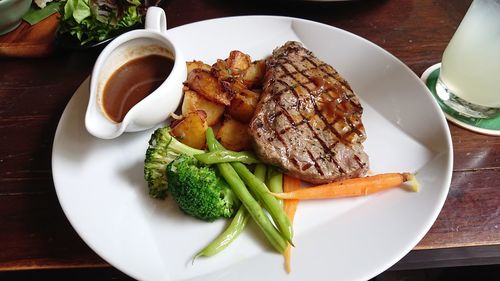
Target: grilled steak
<point>308,120</point>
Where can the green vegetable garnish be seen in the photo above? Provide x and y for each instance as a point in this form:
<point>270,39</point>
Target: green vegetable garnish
<point>163,148</point>
<point>199,191</point>
<point>97,20</point>
<point>36,15</point>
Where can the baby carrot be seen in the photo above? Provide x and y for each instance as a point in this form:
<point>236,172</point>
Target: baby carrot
<point>290,184</point>
<point>352,187</point>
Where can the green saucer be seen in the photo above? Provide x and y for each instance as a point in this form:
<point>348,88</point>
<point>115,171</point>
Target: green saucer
<point>489,126</point>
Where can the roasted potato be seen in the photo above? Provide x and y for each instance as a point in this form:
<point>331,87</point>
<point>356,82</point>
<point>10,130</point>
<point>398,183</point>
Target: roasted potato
<point>196,64</point>
<point>233,87</point>
<point>191,129</point>
<point>243,105</point>
<point>238,62</point>
<point>193,101</point>
<point>233,67</point>
<point>254,74</point>
<point>208,86</point>
<point>221,70</point>
<point>233,135</point>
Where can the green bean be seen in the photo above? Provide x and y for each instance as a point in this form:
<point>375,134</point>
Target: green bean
<point>252,206</point>
<point>274,181</point>
<point>238,223</point>
<point>260,190</point>
<point>260,171</point>
<point>230,234</point>
<point>224,156</point>
<point>269,202</point>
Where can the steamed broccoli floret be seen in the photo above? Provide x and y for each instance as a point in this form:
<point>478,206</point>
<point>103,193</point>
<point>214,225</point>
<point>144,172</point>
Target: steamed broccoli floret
<point>163,148</point>
<point>199,191</point>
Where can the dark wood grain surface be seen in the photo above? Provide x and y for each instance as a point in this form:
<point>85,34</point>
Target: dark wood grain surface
<point>34,231</point>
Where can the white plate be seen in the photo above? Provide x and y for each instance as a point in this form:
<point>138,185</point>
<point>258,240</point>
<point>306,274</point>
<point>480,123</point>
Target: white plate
<point>101,189</point>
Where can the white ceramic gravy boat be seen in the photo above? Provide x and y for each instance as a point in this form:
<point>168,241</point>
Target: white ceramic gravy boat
<point>157,106</point>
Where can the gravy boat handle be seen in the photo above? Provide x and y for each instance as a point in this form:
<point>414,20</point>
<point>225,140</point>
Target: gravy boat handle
<point>156,20</point>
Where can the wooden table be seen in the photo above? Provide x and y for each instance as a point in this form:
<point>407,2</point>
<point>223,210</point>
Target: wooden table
<point>35,234</point>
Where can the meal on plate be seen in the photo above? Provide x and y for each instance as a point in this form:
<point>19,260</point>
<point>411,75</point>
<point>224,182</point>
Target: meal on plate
<point>250,131</point>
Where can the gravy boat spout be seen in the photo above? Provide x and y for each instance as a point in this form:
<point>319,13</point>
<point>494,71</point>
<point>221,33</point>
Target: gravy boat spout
<point>155,107</point>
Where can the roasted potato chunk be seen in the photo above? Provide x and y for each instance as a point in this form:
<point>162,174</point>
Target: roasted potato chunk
<point>233,87</point>
<point>205,84</point>
<point>196,64</point>
<point>233,67</point>
<point>238,62</point>
<point>191,129</point>
<point>254,74</point>
<point>243,105</point>
<point>221,70</point>
<point>193,102</point>
<point>233,135</point>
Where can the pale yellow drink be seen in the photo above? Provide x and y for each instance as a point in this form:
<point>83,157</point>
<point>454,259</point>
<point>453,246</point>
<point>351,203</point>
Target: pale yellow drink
<point>471,62</point>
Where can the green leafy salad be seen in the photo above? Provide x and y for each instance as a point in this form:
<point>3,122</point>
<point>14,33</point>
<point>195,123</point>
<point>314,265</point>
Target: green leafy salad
<point>91,21</point>
<point>97,20</point>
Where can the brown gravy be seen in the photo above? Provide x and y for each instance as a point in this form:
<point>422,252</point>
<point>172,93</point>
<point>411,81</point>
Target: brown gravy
<point>132,82</point>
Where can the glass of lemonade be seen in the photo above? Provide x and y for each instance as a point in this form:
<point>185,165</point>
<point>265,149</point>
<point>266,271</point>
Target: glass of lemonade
<point>469,80</point>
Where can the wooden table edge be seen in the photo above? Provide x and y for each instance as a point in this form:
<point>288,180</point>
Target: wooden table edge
<point>464,255</point>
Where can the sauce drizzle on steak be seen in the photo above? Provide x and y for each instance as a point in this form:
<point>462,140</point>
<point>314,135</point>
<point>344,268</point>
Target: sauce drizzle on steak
<point>308,120</point>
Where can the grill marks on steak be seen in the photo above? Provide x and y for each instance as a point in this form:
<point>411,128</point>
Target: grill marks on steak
<point>308,120</point>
